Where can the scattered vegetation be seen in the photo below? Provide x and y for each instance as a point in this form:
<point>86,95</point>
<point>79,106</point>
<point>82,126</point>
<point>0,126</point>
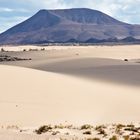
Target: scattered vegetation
<point>43,129</point>
<point>2,50</point>
<point>135,138</point>
<point>126,137</point>
<point>87,133</point>
<point>120,126</point>
<point>11,58</point>
<point>132,129</point>
<point>92,139</point>
<point>67,133</point>
<point>42,49</point>
<point>60,126</point>
<point>113,138</point>
<point>101,130</point>
<point>125,59</point>
<point>100,127</point>
<point>12,127</point>
<point>86,126</point>
<point>106,132</point>
<point>55,132</point>
<point>130,125</point>
<point>33,49</point>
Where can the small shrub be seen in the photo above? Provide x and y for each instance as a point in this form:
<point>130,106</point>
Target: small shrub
<point>100,127</point>
<point>87,133</point>
<point>113,138</point>
<point>101,130</point>
<point>33,49</point>
<point>43,129</point>
<point>67,133</point>
<point>126,137</point>
<point>125,59</point>
<point>118,130</point>
<point>55,133</point>
<point>42,49</point>
<point>93,139</point>
<point>2,50</point>
<point>59,126</point>
<point>131,125</point>
<point>120,126</point>
<point>135,138</point>
<point>86,126</point>
<point>132,129</point>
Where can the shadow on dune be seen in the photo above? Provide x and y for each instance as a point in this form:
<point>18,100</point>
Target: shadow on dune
<point>109,70</point>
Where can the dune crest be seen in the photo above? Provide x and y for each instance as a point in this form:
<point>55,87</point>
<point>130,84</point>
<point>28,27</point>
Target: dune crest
<point>55,98</point>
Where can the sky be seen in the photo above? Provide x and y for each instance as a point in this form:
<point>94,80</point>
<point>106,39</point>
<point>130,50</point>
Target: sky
<point>13,12</point>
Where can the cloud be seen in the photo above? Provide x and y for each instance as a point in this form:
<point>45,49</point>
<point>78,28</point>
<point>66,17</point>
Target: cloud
<point>2,9</point>
<point>124,10</point>
<point>5,9</point>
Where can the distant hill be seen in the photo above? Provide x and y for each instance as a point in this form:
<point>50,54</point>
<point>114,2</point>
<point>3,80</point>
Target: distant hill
<point>70,25</point>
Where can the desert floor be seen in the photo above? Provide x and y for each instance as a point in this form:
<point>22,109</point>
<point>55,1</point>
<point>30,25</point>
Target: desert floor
<point>69,85</point>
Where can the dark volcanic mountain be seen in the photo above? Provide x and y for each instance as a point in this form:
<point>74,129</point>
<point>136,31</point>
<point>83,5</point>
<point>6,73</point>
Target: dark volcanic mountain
<point>69,25</point>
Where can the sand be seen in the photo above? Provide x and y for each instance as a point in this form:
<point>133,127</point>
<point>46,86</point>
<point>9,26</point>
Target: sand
<point>104,63</point>
<point>77,86</point>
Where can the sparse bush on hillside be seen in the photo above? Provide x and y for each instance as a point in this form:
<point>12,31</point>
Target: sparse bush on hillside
<point>33,49</point>
<point>131,125</point>
<point>60,126</point>
<point>135,138</point>
<point>92,139</point>
<point>66,133</point>
<point>126,137</point>
<point>101,130</point>
<point>113,138</point>
<point>87,133</point>
<point>119,128</point>
<point>132,129</point>
<point>2,50</point>
<point>125,59</point>
<point>86,126</point>
<point>100,127</point>
<point>43,129</point>
<point>55,133</point>
<point>42,49</point>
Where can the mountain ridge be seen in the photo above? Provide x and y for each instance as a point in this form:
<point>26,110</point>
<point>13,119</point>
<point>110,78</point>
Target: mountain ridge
<point>62,25</point>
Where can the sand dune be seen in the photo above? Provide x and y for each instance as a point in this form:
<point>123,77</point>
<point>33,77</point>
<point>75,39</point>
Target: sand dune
<point>74,85</point>
<point>97,62</point>
<point>113,52</point>
<point>30,98</point>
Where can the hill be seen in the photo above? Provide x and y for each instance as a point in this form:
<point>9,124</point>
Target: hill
<point>70,25</point>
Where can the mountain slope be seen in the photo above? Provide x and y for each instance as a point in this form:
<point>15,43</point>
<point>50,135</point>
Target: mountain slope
<point>78,24</point>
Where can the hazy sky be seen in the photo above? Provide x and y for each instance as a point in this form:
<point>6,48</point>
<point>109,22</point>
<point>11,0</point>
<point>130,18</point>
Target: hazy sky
<point>15,11</point>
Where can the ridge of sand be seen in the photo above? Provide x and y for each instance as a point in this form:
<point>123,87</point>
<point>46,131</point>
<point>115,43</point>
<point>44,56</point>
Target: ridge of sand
<point>105,63</point>
<point>99,51</point>
<point>85,85</point>
<point>31,98</point>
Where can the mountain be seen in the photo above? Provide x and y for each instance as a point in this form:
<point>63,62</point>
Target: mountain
<point>69,25</point>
